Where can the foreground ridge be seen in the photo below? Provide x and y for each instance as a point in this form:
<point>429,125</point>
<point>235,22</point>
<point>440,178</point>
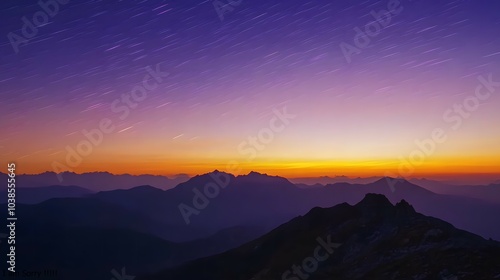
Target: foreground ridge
<point>372,239</point>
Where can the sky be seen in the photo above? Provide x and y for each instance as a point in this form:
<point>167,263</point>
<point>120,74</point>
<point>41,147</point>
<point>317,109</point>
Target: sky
<point>317,95</point>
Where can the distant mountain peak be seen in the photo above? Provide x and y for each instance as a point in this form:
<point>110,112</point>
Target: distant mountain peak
<point>256,179</point>
<point>400,185</point>
<point>253,175</point>
<point>203,179</point>
<point>257,174</point>
<point>392,180</point>
<point>215,172</point>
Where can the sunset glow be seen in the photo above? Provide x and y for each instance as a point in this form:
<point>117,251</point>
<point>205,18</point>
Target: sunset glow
<point>202,91</point>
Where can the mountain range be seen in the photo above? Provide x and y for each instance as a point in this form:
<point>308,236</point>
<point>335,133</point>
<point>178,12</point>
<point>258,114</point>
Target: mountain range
<point>370,240</point>
<point>148,229</point>
<point>262,201</point>
<point>489,192</point>
<point>325,180</point>
<point>94,181</point>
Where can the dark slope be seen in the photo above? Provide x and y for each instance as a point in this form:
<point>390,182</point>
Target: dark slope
<point>378,241</point>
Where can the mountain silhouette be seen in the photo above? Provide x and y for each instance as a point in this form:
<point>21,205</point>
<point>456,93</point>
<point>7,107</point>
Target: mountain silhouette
<point>236,210</point>
<point>94,181</point>
<point>259,200</point>
<point>372,239</point>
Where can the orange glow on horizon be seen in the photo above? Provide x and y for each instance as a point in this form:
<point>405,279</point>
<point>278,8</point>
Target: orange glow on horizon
<point>442,168</point>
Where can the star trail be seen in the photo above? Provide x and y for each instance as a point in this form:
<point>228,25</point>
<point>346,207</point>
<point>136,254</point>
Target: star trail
<point>231,65</point>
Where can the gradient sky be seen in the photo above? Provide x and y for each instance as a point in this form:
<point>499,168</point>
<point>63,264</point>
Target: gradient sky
<point>227,76</point>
